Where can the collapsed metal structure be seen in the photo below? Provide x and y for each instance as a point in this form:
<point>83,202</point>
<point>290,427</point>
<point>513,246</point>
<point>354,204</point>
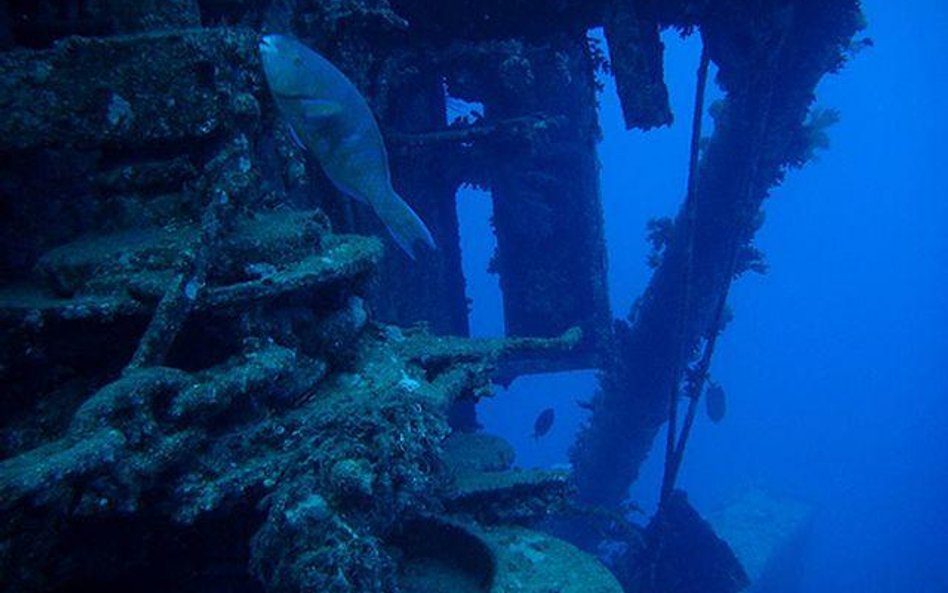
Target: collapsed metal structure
<point>178,133</point>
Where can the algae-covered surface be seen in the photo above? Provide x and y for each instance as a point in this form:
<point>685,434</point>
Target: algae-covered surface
<point>220,374</point>
<point>247,394</point>
<point>457,555</point>
<point>533,561</point>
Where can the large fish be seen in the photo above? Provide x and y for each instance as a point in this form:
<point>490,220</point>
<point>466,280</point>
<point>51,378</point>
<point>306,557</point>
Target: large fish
<point>332,120</point>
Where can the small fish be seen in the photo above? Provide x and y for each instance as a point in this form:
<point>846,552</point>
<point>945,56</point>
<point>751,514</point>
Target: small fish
<point>328,115</point>
<point>543,423</point>
<point>715,403</point>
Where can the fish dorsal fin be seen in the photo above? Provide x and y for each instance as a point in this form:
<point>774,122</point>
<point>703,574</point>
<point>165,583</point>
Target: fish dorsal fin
<point>320,109</point>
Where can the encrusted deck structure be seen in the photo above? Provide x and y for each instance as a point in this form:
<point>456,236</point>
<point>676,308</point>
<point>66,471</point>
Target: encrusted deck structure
<point>219,371</point>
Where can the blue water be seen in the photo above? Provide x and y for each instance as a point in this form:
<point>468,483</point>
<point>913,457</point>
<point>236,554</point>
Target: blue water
<point>836,365</point>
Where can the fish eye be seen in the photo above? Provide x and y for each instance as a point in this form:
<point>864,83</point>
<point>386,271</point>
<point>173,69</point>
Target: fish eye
<point>297,61</point>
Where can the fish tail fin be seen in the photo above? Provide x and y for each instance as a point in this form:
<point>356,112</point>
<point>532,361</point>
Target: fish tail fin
<point>406,227</point>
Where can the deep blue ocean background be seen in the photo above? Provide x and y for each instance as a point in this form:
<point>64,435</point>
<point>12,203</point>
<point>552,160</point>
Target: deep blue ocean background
<point>836,364</point>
